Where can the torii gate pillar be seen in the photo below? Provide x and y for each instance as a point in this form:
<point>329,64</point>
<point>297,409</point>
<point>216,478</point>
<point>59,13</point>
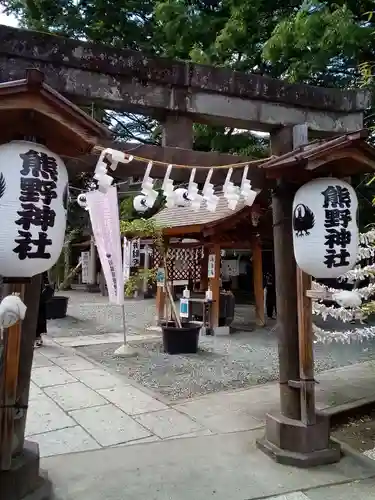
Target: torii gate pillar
<point>288,440</point>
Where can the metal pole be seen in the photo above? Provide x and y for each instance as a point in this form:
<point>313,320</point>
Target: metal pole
<point>124,322</point>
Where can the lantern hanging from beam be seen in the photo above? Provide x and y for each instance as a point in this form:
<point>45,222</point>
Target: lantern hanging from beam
<point>325,231</point>
<point>140,203</point>
<point>82,200</point>
<point>182,197</point>
<point>33,206</point>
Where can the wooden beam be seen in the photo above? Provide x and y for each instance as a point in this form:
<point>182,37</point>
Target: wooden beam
<point>174,156</point>
<point>182,230</point>
<point>353,154</point>
<point>230,222</point>
<point>258,281</point>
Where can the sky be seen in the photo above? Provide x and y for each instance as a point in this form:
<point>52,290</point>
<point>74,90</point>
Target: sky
<point>7,20</point>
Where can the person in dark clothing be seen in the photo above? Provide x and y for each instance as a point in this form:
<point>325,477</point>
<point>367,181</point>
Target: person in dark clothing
<point>46,292</point>
<point>269,284</point>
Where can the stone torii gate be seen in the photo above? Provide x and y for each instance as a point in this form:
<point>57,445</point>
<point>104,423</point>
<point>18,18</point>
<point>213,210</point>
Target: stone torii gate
<point>174,92</point>
<point>179,94</point>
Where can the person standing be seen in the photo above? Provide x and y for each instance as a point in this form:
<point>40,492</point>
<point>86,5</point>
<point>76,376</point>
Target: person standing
<point>270,295</point>
<point>46,293</point>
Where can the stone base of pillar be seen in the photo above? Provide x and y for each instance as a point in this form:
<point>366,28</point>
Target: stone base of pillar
<point>290,442</point>
<point>93,288</point>
<point>25,481</point>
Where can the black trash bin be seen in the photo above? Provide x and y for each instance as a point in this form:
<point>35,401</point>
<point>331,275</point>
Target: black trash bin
<point>182,340</point>
<point>57,307</point>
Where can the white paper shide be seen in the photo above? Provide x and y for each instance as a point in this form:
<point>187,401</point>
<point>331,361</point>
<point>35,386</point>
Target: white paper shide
<point>325,231</point>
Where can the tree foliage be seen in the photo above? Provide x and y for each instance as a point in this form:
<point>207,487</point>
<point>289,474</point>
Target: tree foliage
<point>323,43</point>
<point>228,32</point>
<point>314,41</point>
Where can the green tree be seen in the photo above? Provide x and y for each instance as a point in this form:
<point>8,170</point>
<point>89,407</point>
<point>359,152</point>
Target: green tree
<point>323,43</point>
<point>229,32</point>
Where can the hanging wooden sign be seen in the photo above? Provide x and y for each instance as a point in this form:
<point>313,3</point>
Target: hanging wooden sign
<point>211,265</point>
<point>85,259</point>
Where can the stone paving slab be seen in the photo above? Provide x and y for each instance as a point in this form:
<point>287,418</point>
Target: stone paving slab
<point>297,495</point>
<point>106,338</point>
<point>44,415</point>
<point>74,396</point>
<point>73,363</point>
<point>168,423</point>
<point>219,466</point>
<point>108,425</point>
<point>48,376</point>
<point>76,405</point>
<point>132,400</point>
<point>62,441</point>
<point>40,361</point>
<point>97,378</point>
<point>357,490</point>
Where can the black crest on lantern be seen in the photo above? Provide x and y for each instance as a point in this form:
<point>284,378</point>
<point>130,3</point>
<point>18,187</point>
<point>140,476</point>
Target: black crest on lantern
<point>2,185</point>
<point>303,220</point>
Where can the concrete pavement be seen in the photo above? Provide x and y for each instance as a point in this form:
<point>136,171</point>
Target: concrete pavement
<point>222,467</point>
<point>102,436</point>
<point>77,405</point>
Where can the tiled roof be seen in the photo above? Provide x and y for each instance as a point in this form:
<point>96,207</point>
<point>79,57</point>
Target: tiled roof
<point>185,216</point>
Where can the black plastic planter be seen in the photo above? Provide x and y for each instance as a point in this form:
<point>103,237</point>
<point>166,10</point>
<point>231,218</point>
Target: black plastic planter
<point>57,307</point>
<point>182,340</point>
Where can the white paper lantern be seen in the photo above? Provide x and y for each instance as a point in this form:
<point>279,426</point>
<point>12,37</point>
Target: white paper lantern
<point>82,200</point>
<point>325,231</point>
<point>33,205</point>
<point>182,197</point>
<point>140,203</point>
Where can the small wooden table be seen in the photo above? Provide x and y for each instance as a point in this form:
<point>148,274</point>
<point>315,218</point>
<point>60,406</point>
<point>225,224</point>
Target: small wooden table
<point>207,313</point>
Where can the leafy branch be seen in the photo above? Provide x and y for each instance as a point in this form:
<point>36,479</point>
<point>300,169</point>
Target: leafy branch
<point>147,228</point>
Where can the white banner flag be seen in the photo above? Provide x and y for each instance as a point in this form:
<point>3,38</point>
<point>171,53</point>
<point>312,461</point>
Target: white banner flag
<point>105,222</point>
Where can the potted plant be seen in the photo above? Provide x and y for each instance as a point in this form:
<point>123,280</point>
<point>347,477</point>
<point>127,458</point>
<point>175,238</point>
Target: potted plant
<point>178,338</point>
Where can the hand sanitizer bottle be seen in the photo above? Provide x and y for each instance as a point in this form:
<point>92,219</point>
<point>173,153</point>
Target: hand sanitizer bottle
<point>209,294</point>
<point>186,293</point>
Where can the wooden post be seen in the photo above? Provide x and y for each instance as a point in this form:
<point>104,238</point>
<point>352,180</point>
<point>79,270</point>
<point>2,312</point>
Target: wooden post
<point>285,278</point>
<point>92,262</point>
<point>258,280</point>
<point>306,354</point>
<point>31,300</point>
<point>177,131</point>
<point>204,270</point>
<point>296,436</point>
<point>160,304</point>
<point>11,357</point>
<point>215,286</point>
<point>146,265</point>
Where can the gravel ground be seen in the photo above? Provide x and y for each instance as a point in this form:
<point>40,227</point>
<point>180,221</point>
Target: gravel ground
<point>243,360</point>
<point>90,313</point>
<point>359,433</point>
